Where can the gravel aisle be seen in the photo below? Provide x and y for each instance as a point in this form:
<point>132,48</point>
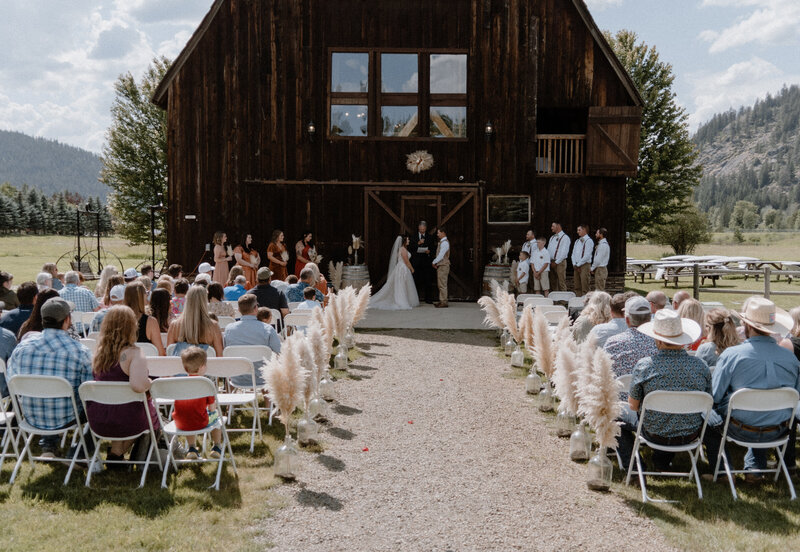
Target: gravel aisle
<point>476,470</point>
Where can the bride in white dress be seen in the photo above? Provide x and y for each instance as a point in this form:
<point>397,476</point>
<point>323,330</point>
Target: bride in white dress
<point>399,292</point>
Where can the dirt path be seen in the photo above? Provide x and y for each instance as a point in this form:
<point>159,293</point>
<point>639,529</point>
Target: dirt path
<point>458,459</point>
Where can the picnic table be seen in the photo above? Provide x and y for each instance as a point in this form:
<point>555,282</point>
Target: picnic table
<point>640,267</point>
<point>674,270</point>
<point>758,264</point>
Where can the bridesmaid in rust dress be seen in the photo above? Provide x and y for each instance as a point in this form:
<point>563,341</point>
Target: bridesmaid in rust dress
<point>221,258</point>
<point>278,256</point>
<point>301,249</point>
<point>248,258</point>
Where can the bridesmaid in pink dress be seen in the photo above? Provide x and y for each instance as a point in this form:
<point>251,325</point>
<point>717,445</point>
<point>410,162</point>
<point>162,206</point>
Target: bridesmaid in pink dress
<point>221,258</point>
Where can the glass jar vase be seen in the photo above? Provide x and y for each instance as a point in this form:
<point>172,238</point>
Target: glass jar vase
<point>340,361</point>
<point>533,383</point>
<point>307,431</point>
<point>579,447</point>
<point>318,409</point>
<point>565,424</point>
<point>518,357</point>
<point>546,398</point>
<point>508,348</point>
<point>327,390</point>
<point>350,338</point>
<point>600,470</point>
<point>287,460</point>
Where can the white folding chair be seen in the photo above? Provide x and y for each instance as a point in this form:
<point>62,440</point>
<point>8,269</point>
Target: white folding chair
<point>164,339</point>
<point>256,354</point>
<point>6,423</point>
<point>90,344</point>
<point>277,322</point>
<point>93,335</point>
<point>523,296</point>
<point>624,383</point>
<point>759,400</point>
<point>210,351</point>
<point>235,306</point>
<point>117,393</point>
<point>575,303</point>
<point>554,318</point>
<point>176,389</point>
<point>225,321</point>
<point>671,402</point>
<point>85,320</point>
<point>148,349</point>
<point>293,305</point>
<point>544,309</point>
<point>227,368</point>
<point>537,301</point>
<point>297,320</point>
<point>25,388</point>
<point>561,295</point>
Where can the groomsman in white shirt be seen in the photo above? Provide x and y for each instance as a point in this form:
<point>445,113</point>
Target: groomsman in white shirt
<point>600,262</point>
<point>559,251</point>
<point>530,243</point>
<point>523,272</point>
<point>540,264</point>
<point>581,260</point>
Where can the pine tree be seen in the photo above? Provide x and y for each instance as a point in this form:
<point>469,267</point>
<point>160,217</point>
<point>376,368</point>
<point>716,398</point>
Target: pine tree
<point>135,158</point>
<point>667,170</point>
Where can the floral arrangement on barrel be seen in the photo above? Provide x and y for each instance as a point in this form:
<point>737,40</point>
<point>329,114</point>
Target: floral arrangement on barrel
<point>501,253</point>
<point>335,274</point>
<point>353,249</point>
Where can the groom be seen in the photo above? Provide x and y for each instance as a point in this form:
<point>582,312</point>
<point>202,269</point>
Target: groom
<point>442,265</point>
<point>421,249</point>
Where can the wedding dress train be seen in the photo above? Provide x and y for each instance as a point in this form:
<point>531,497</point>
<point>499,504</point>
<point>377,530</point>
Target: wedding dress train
<point>399,292</point>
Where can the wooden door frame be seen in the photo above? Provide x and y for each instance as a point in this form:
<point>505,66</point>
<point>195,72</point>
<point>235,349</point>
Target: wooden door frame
<point>473,192</point>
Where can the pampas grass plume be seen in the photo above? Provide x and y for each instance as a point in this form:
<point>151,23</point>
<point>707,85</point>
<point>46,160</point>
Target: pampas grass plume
<point>492,318</point>
<point>361,303</point>
<point>565,380</point>
<point>599,401</point>
<point>543,345</point>
<point>285,379</point>
<point>527,325</point>
<point>508,313</point>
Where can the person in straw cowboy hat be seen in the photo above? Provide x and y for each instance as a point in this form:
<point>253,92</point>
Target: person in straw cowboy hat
<point>670,369</point>
<point>758,363</point>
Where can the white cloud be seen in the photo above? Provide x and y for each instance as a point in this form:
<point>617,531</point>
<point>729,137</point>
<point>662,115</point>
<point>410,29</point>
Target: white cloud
<point>772,22</point>
<point>740,84</point>
<point>599,5</point>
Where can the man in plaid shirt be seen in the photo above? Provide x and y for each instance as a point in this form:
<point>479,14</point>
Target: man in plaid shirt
<point>53,353</point>
<point>83,299</point>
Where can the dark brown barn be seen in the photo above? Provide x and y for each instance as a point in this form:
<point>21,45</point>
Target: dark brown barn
<point>526,111</point>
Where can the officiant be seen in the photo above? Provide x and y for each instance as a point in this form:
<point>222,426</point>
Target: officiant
<point>422,248</point>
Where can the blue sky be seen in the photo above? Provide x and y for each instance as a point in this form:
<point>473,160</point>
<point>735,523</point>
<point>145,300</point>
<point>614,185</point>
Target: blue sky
<point>60,59</point>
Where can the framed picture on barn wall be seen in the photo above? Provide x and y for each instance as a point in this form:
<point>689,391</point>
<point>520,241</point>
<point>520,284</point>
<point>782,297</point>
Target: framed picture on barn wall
<point>508,209</point>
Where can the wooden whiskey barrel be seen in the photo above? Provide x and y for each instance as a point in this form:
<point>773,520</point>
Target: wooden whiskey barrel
<point>498,273</point>
<point>355,275</point>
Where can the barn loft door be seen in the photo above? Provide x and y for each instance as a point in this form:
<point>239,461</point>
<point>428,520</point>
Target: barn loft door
<point>612,141</point>
<point>391,211</point>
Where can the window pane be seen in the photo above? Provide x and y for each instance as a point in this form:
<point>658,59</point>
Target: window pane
<point>349,72</point>
<point>348,120</point>
<point>400,120</point>
<point>448,74</point>
<point>449,122</point>
<point>399,73</point>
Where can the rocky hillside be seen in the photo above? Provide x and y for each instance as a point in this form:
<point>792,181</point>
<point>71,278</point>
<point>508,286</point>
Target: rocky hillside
<point>750,157</point>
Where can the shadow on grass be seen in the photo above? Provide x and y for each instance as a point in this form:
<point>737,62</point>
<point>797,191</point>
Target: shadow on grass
<point>318,500</point>
<point>362,368</point>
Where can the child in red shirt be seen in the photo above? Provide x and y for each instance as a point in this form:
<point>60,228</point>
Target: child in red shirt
<point>197,414</point>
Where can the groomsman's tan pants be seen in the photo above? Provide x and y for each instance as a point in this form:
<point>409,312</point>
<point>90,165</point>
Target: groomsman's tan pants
<point>581,274</point>
<point>561,276</point>
<point>442,272</point>
<point>600,277</point>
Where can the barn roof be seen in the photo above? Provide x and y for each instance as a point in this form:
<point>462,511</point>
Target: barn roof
<point>160,94</point>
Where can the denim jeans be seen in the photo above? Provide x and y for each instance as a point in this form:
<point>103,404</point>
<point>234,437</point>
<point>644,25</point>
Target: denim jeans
<point>50,442</point>
<point>755,459</point>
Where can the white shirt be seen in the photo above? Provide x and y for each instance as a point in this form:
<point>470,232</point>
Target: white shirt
<point>602,254</point>
<point>523,270</point>
<point>444,247</point>
<point>529,247</point>
<point>559,247</point>
<point>539,258</point>
<point>582,251</point>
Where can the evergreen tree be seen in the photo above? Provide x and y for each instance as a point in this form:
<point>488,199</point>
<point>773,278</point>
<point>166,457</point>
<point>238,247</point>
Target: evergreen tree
<point>667,170</point>
<point>135,158</point>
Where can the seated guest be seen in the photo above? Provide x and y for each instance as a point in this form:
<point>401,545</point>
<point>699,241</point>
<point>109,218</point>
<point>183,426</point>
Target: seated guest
<point>175,271</point>
<point>792,341</point>
<point>295,292</point>
<point>197,414</point>
<point>631,346</point>
<point>203,279</point>
<point>52,269</point>
<point>116,296</point>
<point>167,283</point>
<point>7,295</point>
<point>658,300</point>
<point>53,353</point>
<point>44,280</point>
<point>720,334</point>
<point>83,299</point>
<point>614,326</point>
<point>179,300</point>
<point>14,319</point>
<point>291,279</point>
<point>263,314</point>
<point>249,330</point>
<point>195,326</point>
<point>148,330</point>
<point>267,295</point>
<point>679,297</point>
<point>321,282</point>
<point>7,344</point>
<point>309,300</point>
<point>33,325</point>
<point>597,311</point>
<point>693,310</point>
<point>118,359</point>
<point>113,281</point>
<point>233,292</point>
<point>130,275</point>
<point>216,304</point>
<point>758,363</point>
<point>148,272</point>
<point>670,369</point>
<point>160,308</point>
<point>101,287</point>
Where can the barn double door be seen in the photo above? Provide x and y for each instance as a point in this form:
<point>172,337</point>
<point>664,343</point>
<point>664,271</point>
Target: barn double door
<point>396,210</point>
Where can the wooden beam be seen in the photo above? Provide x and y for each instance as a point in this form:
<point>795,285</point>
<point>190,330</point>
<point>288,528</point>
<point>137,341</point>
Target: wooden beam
<point>610,141</point>
<point>461,203</point>
<point>390,212</point>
